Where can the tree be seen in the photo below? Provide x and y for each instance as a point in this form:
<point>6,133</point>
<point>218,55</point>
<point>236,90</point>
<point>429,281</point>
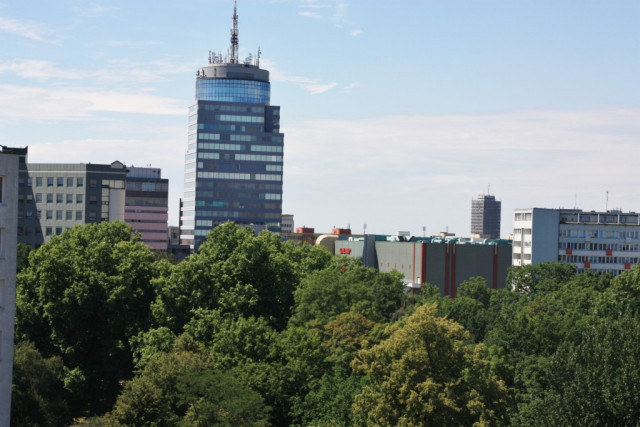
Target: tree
<point>183,388</point>
<point>37,395</point>
<point>594,382</point>
<point>546,276</point>
<point>425,373</point>
<point>234,273</point>
<point>347,285</point>
<point>82,297</point>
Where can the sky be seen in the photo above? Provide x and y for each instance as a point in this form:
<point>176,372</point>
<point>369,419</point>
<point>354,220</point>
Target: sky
<point>396,114</point>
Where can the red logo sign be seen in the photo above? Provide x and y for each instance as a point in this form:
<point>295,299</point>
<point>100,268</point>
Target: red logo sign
<point>345,251</point>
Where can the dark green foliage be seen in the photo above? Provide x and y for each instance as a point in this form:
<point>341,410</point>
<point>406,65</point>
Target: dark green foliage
<point>23,256</point>
<point>183,388</point>
<point>233,272</point>
<point>37,395</point>
<point>82,297</point>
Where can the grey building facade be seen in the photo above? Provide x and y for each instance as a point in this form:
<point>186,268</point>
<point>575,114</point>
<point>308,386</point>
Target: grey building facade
<point>10,161</point>
<point>233,163</point>
<point>56,196</point>
<point>485,216</point>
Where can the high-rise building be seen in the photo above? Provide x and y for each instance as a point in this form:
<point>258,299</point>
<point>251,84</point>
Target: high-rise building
<point>233,163</point>
<point>55,196</point>
<point>146,205</point>
<point>485,216</point>
<point>602,242</point>
<point>10,159</point>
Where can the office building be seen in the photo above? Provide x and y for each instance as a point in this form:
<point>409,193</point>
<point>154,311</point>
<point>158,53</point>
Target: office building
<point>602,242</point>
<point>146,205</point>
<point>55,196</point>
<point>286,224</point>
<point>485,216</point>
<point>233,163</point>
<point>10,160</point>
<point>442,262</point>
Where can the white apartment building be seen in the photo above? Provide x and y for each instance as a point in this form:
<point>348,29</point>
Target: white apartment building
<point>603,242</point>
<point>10,159</point>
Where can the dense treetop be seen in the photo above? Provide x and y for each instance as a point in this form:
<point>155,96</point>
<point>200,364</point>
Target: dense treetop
<point>254,331</point>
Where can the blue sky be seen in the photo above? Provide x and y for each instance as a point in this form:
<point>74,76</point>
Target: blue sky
<point>395,114</point>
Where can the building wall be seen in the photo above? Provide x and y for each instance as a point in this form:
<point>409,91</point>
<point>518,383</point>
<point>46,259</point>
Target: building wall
<point>442,265</point>
<point>602,242</point>
<point>54,197</point>
<point>485,216</point>
<point>147,206</point>
<point>9,173</point>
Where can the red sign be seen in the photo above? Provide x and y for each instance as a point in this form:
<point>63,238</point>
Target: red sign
<point>345,251</point>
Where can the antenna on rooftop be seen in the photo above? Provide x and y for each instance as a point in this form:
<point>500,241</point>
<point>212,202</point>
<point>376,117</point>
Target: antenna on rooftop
<point>489,190</point>
<point>258,57</point>
<point>606,209</point>
<point>233,50</point>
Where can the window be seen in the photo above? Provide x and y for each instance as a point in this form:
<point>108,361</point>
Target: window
<point>29,182</point>
<point>78,197</point>
<point>80,182</point>
<point>92,216</point>
<point>2,242</point>
<point>2,181</point>
<point>58,230</point>
<point>93,200</point>
<point>69,182</point>
<point>69,198</point>
<point>50,181</point>
<point>59,198</point>
<point>60,181</point>
<point>38,181</point>
<point>49,214</point>
<point>78,215</point>
<point>49,231</point>
<point>39,214</point>
<point>69,215</point>
<point>58,214</point>
<point>93,182</point>
<point>49,198</point>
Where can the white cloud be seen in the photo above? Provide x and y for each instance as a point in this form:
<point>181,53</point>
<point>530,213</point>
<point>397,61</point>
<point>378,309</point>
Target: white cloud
<point>402,172</point>
<point>30,30</point>
<point>308,14</point>
<point>117,70</point>
<point>311,85</point>
<point>356,33</point>
<point>351,86</point>
<point>35,103</point>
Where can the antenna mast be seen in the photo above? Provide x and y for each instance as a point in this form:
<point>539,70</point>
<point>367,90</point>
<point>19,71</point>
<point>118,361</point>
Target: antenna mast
<point>233,50</point>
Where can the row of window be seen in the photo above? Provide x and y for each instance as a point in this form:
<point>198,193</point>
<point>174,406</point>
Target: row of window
<point>588,246</point>
<point>240,176</point>
<point>597,259</point>
<point>233,108</point>
<point>60,198</point>
<point>600,233</point>
<point>59,182</point>
<point>230,90</point>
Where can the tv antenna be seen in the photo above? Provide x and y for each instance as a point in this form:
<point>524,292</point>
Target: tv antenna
<point>233,50</point>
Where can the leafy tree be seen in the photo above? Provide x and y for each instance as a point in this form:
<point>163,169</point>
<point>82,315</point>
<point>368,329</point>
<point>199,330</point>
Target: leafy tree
<point>546,276</point>
<point>347,285</point>
<point>23,256</point>
<point>82,297</point>
<point>425,373</point>
<point>595,382</point>
<point>234,273</point>
<point>37,392</point>
<point>183,388</point>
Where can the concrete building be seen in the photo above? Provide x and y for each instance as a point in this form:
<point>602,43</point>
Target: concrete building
<point>485,216</point>
<point>10,160</point>
<point>147,204</point>
<point>233,163</point>
<point>602,242</point>
<point>286,224</point>
<point>55,196</point>
<point>422,260</point>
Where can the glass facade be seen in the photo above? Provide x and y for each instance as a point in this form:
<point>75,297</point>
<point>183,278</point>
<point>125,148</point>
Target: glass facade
<point>233,163</point>
<point>231,90</point>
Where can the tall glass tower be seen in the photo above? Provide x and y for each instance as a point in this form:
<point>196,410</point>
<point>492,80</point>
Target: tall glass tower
<point>233,164</point>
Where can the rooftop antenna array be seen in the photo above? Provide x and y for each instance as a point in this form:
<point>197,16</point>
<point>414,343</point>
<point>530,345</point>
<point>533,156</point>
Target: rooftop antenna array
<point>233,49</point>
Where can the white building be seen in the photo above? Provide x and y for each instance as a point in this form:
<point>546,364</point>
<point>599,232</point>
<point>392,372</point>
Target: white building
<point>9,172</point>
<point>603,242</point>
